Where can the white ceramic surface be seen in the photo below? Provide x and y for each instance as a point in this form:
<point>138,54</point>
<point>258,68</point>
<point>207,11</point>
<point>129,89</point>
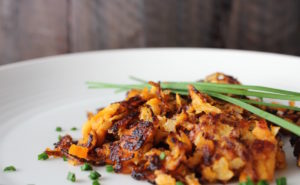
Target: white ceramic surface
<point>38,95</point>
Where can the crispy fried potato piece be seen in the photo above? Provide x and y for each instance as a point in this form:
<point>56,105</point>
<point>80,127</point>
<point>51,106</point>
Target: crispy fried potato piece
<point>163,137</point>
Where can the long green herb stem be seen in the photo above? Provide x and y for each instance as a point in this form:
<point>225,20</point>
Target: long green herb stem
<point>212,87</point>
<point>276,105</point>
<point>270,117</point>
<point>237,86</point>
<point>221,91</point>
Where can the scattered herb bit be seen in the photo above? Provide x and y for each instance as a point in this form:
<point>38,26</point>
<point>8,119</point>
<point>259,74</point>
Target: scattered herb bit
<point>248,182</point>
<point>262,182</point>
<point>9,169</point>
<point>94,175</point>
<point>58,129</point>
<point>65,158</point>
<point>281,181</point>
<point>59,137</point>
<point>179,183</point>
<point>162,156</point>
<point>73,128</point>
<point>86,167</point>
<point>109,168</point>
<point>96,182</point>
<point>71,177</point>
<point>43,156</point>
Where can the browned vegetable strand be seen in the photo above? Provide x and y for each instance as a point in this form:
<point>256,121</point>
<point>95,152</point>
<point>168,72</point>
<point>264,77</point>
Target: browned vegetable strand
<point>162,137</point>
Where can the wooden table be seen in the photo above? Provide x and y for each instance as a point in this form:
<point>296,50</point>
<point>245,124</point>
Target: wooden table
<point>36,28</point>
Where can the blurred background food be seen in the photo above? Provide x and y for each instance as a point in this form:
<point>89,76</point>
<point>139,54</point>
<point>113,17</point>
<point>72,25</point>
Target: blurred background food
<point>37,28</point>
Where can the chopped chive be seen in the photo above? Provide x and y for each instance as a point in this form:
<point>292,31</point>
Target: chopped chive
<point>9,169</point>
<point>86,167</point>
<point>43,156</point>
<point>179,183</point>
<point>262,182</point>
<point>58,129</point>
<point>96,182</point>
<point>281,181</point>
<point>94,175</point>
<point>109,168</point>
<point>71,177</point>
<point>65,158</point>
<point>73,128</point>
<point>59,137</point>
<point>249,181</point>
<point>162,156</point>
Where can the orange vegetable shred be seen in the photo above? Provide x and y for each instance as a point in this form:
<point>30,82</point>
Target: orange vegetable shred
<point>78,151</point>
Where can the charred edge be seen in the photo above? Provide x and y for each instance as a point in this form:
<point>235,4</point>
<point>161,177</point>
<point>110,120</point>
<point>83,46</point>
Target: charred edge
<point>137,175</point>
<point>295,142</point>
<point>133,102</point>
<point>154,163</point>
<point>90,140</point>
<point>138,137</point>
<point>65,143</point>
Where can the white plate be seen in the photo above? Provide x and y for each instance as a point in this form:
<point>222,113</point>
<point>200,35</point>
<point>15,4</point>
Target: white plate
<point>36,96</point>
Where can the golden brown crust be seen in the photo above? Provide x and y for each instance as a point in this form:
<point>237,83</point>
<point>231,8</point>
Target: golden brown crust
<point>162,137</point>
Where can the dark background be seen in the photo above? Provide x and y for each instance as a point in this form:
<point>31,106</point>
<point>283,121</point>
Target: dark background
<point>37,28</point>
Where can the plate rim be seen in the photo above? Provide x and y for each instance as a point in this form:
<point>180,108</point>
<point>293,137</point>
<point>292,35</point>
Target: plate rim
<point>28,62</point>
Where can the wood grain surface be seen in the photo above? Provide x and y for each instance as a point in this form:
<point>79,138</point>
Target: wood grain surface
<point>37,28</point>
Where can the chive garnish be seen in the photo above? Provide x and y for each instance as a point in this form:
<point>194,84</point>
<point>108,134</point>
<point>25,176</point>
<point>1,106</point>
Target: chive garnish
<point>270,104</point>
<point>179,183</point>
<point>221,91</point>
<point>268,116</point>
<point>248,182</point>
<point>86,167</point>
<point>73,128</point>
<point>59,137</point>
<point>65,158</point>
<point>162,156</point>
<point>71,177</point>
<point>204,86</point>
<point>58,129</point>
<point>262,182</point>
<point>43,156</point>
<point>9,169</point>
<point>96,182</point>
<point>109,168</point>
<point>94,175</point>
<point>281,181</point>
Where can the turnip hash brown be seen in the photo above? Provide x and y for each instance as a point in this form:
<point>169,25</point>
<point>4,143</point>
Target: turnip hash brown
<point>163,137</point>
